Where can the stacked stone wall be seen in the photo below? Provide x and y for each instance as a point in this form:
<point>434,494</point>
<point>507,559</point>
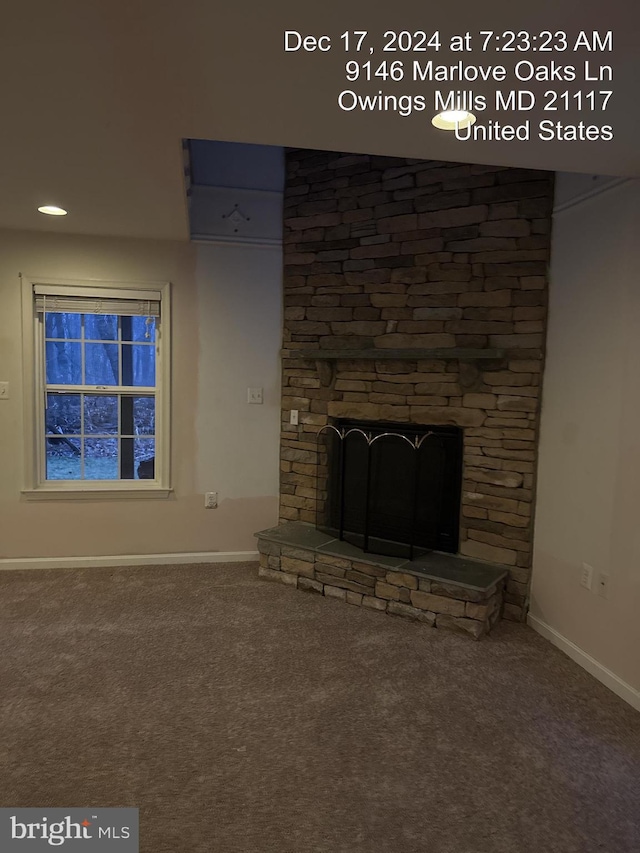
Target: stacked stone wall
<point>397,593</point>
<point>391,254</point>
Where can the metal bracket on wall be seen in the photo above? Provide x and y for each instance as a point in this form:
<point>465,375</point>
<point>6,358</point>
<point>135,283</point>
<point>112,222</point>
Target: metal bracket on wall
<point>326,372</point>
<point>469,375</point>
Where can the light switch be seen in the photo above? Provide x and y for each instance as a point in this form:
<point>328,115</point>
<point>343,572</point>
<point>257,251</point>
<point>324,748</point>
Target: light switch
<point>254,395</point>
<point>4,390</point>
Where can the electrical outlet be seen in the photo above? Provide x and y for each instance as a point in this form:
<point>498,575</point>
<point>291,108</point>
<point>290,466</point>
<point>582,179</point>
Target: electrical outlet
<point>586,578</point>
<point>602,584</point>
<point>4,390</point>
<point>210,500</point>
<point>254,395</point>
<point>293,417</point>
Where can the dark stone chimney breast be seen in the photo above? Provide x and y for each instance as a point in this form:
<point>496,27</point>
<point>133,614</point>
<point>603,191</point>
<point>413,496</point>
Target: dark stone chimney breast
<point>415,294</point>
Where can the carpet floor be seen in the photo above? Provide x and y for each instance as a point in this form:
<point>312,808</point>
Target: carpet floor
<point>242,716</point>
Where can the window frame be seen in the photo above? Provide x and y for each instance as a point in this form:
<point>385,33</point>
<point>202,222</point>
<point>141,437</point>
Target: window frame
<point>36,486</point>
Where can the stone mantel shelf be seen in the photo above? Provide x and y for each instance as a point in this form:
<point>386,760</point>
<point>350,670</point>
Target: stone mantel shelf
<point>452,353</point>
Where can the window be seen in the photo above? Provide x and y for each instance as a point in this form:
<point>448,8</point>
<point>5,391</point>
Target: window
<point>99,420</point>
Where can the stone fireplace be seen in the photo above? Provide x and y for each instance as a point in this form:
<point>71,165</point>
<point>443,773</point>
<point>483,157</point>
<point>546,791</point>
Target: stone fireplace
<point>391,488</point>
<point>415,301</point>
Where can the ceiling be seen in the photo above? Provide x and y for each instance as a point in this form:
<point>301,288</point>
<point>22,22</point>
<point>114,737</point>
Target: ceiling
<point>96,98</point>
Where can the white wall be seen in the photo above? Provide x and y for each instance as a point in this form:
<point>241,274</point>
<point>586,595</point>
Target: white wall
<point>226,336</point>
<point>240,338</point>
<point>239,287</point>
<point>588,501</point>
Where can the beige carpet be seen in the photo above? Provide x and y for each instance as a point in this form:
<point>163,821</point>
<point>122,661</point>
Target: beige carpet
<point>240,715</point>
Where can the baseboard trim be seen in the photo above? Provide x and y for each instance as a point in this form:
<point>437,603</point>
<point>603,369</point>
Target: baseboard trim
<point>129,560</point>
<point>593,667</point>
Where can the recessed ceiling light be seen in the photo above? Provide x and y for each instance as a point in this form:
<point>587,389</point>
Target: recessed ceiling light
<point>453,120</point>
<point>52,210</point>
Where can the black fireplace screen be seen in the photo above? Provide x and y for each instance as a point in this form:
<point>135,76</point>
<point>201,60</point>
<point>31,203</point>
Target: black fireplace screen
<point>389,488</point>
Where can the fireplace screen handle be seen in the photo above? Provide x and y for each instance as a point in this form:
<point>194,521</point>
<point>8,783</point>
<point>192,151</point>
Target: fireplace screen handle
<point>414,518</point>
<point>342,488</point>
<point>367,500</point>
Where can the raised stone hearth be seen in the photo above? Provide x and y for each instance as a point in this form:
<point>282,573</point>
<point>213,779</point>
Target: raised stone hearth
<point>415,293</point>
<point>440,590</point>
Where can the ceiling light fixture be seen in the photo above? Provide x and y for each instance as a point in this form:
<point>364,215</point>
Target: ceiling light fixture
<point>453,120</point>
<point>52,210</point>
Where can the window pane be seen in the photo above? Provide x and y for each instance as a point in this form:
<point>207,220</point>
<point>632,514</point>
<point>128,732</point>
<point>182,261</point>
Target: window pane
<point>101,364</point>
<point>100,414</point>
<point>63,414</point>
<point>101,459</point>
<point>139,329</point>
<point>64,363</point>
<point>144,415</point>
<point>101,327</point>
<point>61,465</point>
<point>138,365</point>
<point>62,419</point>
<point>62,325</point>
<point>144,453</point>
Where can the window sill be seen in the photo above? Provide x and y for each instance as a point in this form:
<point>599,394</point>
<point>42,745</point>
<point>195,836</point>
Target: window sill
<point>96,494</point>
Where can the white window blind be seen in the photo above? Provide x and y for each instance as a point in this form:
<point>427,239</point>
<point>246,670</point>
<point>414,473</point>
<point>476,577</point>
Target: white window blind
<point>80,300</point>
